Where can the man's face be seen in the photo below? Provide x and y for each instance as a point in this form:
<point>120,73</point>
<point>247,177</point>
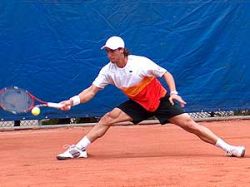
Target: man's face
<point>115,55</point>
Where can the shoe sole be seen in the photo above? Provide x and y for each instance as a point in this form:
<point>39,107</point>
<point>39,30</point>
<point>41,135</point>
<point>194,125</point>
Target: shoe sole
<point>67,158</point>
<point>63,158</point>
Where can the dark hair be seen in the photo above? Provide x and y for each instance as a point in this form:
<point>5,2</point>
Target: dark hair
<point>126,52</point>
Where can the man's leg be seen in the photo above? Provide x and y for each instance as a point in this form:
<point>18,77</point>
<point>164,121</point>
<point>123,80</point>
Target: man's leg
<point>109,119</point>
<point>187,123</point>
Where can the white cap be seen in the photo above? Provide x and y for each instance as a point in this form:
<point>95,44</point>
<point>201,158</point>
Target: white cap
<point>114,42</point>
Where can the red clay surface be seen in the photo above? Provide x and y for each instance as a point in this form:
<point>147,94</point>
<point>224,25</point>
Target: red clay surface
<point>127,156</point>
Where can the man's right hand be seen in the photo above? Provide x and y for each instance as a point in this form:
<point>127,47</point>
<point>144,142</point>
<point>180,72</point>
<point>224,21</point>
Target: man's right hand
<point>66,105</point>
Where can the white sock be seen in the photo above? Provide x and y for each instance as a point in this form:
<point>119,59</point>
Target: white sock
<point>223,145</point>
<point>83,143</point>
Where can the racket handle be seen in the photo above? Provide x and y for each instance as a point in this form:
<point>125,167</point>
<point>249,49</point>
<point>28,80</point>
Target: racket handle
<point>54,105</point>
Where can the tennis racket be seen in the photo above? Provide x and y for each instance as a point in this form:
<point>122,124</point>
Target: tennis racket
<point>17,100</point>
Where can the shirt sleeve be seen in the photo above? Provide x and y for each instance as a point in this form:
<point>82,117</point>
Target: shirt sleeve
<point>152,69</point>
<point>102,79</point>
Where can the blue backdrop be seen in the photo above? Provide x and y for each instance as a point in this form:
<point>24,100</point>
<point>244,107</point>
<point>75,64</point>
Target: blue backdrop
<point>52,48</point>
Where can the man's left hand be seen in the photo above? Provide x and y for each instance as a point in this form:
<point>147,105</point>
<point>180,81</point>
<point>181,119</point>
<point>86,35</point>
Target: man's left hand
<point>177,98</point>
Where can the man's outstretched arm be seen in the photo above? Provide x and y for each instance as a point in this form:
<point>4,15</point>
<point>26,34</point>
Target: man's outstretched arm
<point>83,97</point>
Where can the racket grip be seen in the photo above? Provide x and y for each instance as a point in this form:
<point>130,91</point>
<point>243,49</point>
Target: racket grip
<point>54,105</point>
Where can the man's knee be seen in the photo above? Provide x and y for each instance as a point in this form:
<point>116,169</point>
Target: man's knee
<point>108,118</point>
<point>188,124</point>
<point>115,116</point>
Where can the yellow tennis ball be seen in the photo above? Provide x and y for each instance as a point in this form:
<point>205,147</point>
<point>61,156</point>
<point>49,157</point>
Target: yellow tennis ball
<point>36,111</point>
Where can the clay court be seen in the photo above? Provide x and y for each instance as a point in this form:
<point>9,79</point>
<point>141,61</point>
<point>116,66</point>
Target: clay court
<point>128,156</point>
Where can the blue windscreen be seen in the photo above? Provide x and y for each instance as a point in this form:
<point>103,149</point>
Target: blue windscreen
<point>52,49</point>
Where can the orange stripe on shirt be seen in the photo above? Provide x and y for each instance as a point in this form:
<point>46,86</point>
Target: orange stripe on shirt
<point>136,89</point>
<point>147,93</point>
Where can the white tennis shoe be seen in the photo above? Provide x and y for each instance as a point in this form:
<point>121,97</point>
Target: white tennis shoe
<point>236,151</point>
<point>72,152</point>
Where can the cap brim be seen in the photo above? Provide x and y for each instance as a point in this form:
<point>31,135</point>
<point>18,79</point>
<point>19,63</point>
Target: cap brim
<point>103,47</point>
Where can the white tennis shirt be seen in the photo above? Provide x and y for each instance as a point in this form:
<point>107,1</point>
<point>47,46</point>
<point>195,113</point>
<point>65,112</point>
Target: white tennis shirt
<point>138,80</point>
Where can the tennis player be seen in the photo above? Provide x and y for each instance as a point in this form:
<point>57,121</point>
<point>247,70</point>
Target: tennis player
<point>137,77</point>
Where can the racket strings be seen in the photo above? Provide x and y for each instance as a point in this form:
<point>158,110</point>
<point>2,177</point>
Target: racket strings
<point>16,100</point>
